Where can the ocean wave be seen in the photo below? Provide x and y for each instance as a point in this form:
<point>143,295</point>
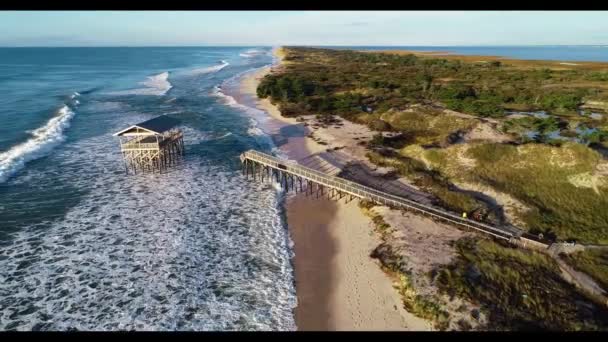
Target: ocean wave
<point>232,102</point>
<point>254,130</point>
<point>196,266</point>
<point>223,136</point>
<point>43,140</point>
<point>208,70</point>
<point>251,53</point>
<point>256,116</point>
<point>157,85</point>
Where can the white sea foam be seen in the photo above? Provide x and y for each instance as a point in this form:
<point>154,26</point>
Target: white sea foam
<point>43,140</point>
<point>254,130</point>
<point>195,249</point>
<point>208,70</point>
<point>232,102</point>
<point>223,136</point>
<point>251,53</point>
<point>157,85</point>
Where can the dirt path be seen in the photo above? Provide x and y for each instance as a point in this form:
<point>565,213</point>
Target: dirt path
<point>571,275</point>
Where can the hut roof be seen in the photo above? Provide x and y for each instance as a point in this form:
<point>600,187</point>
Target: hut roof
<point>157,125</point>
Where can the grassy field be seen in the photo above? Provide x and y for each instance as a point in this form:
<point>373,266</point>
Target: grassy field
<point>518,289</point>
<point>560,185</point>
<point>597,69</point>
<point>428,180</point>
<point>427,127</point>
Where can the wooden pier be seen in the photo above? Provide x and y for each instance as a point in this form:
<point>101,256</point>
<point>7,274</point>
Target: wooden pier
<point>152,145</point>
<point>298,178</point>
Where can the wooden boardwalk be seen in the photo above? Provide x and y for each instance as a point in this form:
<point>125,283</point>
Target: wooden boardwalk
<point>298,177</point>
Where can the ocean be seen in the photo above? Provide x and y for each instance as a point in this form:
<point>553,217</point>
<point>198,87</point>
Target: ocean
<point>84,246</point>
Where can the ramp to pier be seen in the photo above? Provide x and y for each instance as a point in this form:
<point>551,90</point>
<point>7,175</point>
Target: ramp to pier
<point>256,162</point>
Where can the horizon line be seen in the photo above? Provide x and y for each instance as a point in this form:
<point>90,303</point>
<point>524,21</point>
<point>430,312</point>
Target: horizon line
<point>285,45</point>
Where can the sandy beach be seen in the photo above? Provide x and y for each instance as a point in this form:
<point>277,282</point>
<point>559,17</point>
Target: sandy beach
<point>339,287</point>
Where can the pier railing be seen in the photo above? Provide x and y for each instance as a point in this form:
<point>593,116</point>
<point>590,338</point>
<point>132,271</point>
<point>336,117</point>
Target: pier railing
<point>370,194</point>
<point>152,142</point>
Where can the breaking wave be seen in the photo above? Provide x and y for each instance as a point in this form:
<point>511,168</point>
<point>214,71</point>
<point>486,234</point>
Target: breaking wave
<point>232,102</point>
<point>154,85</point>
<point>261,137</point>
<point>43,140</point>
<point>251,53</point>
<point>208,70</point>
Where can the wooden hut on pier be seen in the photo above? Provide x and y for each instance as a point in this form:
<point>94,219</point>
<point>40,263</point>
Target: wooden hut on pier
<point>151,145</point>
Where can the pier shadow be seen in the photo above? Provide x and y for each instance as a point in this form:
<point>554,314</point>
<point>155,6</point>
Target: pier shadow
<point>489,201</point>
<point>309,221</point>
<point>389,183</point>
<point>284,133</point>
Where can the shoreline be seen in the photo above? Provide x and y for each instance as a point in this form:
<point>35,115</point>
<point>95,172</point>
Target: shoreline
<point>338,286</point>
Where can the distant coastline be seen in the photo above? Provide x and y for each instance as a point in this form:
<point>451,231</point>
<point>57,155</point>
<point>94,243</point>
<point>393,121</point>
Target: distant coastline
<point>565,53</point>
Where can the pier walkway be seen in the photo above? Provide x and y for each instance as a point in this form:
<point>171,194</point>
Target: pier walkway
<point>302,178</point>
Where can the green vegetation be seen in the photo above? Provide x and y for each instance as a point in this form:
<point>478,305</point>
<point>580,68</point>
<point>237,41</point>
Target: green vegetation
<point>423,306</point>
<point>430,181</point>
<point>380,225</point>
<point>597,137</point>
<point>541,126</point>
<point>349,83</point>
<point>406,95</point>
<point>518,289</point>
<point>593,262</point>
<point>541,177</point>
<point>559,185</point>
<point>597,76</point>
<point>427,126</point>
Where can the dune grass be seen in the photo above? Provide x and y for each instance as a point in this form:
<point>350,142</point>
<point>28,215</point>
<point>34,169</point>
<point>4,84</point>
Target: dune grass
<point>428,180</point>
<point>559,184</point>
<point>518,289</point>
<point>428,127</point>
<point>540,176</point>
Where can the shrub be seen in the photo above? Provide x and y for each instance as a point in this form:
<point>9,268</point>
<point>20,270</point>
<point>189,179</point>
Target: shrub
<point>518,289</point>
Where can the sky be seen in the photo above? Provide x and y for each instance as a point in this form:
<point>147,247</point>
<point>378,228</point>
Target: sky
<point>273,28</point>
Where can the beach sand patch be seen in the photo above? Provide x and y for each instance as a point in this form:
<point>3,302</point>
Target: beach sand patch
<point>587,180</point>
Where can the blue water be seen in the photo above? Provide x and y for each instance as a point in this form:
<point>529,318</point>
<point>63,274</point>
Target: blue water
<point>591,53</point>
<point>83,246</point>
